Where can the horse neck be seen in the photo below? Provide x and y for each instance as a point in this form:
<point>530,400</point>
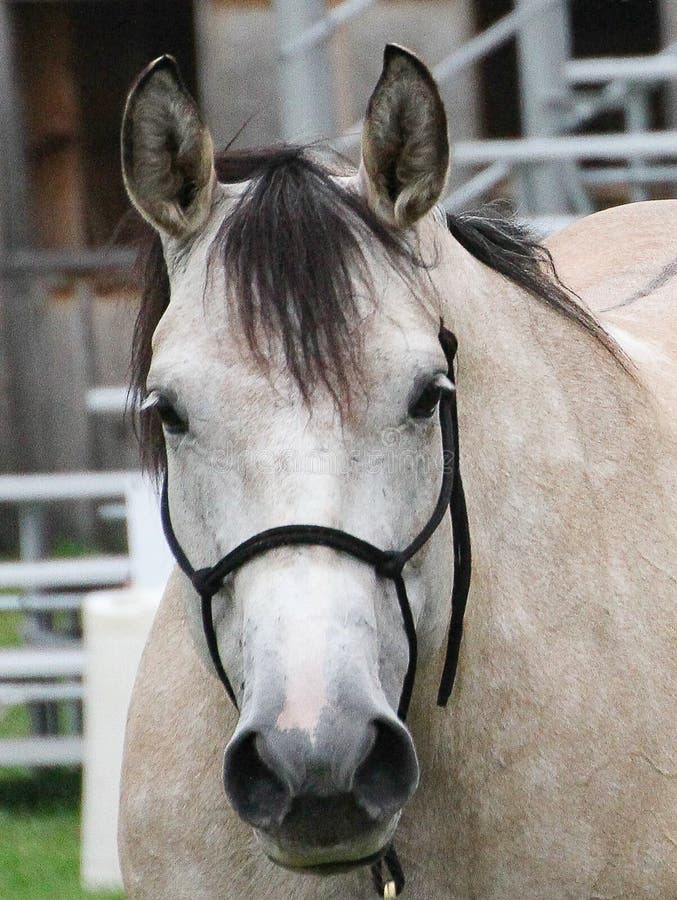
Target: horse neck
<point>555,462</point>
<point>550,421</point>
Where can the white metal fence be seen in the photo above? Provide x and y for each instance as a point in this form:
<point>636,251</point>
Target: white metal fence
<point>45,669</point>
<point>558,95</point>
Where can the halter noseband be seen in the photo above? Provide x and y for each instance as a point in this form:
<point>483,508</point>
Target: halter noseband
<point>386,563</point>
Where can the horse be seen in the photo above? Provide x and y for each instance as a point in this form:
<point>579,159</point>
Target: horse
<point>290,370</point>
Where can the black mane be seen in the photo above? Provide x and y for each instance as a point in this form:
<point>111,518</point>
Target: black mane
<point>509,248</point>
<point>292,250</point>
<point>292,247</point>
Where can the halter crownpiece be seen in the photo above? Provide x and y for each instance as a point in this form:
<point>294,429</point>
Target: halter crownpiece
<point>386,563</point>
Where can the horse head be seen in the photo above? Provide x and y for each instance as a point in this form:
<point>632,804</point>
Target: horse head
<point>296,373</point>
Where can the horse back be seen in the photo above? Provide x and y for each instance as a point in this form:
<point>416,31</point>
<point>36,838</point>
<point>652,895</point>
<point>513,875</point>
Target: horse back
<point>622,263</point>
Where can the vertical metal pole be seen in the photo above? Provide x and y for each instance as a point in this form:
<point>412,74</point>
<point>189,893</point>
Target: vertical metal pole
<point>44,716</point>
<point>307,103</point>
<point>668,17</point>
<point>637,118</point>
<point>543,46</point>
<point>31,531</point>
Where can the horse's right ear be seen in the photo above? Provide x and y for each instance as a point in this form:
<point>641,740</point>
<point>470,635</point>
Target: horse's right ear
<point>167,152</point>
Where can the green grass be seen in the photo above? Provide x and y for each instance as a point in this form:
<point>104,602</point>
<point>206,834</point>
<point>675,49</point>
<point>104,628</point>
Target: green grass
<point>14,722</point>
<point>9,629</point>
<point>40,845</point>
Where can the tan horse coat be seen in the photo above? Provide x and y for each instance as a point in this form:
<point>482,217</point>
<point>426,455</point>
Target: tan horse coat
<point>549,775</point>
<point>629,282</point>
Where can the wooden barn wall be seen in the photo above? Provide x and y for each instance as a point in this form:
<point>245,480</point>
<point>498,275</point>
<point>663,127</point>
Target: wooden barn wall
<point>74,62</point>
<point>7,440</point>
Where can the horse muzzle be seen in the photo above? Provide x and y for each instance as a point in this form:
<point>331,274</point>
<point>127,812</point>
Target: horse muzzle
<point>327,798</point>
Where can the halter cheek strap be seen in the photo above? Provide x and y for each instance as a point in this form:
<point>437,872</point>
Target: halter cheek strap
<point>388,564</point>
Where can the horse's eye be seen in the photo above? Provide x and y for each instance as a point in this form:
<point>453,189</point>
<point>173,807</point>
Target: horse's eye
<point>172,422</point>
<point>426,403</point>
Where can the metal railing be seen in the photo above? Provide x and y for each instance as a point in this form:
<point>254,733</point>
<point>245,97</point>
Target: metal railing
<point>473,51</point>
<point>619,84</point>
<point>50,672</point>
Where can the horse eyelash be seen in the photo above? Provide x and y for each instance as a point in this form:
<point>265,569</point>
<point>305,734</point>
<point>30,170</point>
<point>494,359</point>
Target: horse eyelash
<point>150,401</point>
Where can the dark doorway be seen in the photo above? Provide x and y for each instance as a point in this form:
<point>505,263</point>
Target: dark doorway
<point>76,63</point>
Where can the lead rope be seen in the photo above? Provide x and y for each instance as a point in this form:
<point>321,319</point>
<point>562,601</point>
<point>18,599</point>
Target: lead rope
<point>461,543</point>
<point>394,886</point>
<point>387,563</point>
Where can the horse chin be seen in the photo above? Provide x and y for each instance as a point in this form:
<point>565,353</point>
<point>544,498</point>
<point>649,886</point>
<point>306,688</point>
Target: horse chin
<point>333,859</point>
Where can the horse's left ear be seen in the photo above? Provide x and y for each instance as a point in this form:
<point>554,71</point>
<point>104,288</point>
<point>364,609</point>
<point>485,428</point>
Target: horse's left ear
<point>405,147</point>
<point>167,152</point>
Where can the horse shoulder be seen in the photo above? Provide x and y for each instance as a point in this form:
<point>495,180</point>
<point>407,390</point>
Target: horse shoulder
<point>175,732</point>
<point>622,262</point>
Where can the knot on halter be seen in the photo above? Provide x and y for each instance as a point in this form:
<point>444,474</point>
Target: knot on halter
<point>390,564</point>
<point>203,582</point>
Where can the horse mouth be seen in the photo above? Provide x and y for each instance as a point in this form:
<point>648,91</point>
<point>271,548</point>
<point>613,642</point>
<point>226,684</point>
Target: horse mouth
<point>332,859</point>
<point>333,868</point>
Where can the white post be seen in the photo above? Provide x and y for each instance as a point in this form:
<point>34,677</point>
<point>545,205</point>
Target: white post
<point>669,42</point>
<point>307,103</point>
<point>116,625</point>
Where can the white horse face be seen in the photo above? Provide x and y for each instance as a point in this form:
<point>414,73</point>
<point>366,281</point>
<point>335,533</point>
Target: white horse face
<point>312,640</point>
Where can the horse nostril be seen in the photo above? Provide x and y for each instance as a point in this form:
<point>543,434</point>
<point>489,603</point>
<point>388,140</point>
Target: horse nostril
<point>256,793</point>
<point>388,776</point>
<point>381,772</point>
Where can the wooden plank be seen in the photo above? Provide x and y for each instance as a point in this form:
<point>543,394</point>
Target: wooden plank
<point>72,262</point>
<point>53,120</point>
